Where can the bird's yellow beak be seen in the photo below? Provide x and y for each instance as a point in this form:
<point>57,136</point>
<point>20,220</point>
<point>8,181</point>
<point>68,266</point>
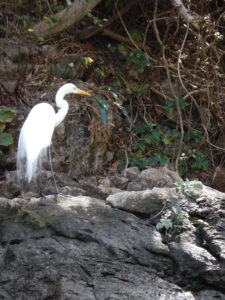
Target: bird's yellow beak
<point>83,92</point>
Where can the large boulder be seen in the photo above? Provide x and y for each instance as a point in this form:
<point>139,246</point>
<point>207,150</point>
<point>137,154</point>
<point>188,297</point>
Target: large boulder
<point>81,248</point>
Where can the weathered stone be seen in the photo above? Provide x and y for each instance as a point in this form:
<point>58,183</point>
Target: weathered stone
<point>69,66</point>
<point>193,259</point>
<point>81,248</point>
<point>218,181</point>
<point>144,202</point>
<point>119,182</point>
<point>131,173</point>
<point>78,245</point>
<point>153,177</point>
<point>210,295</point>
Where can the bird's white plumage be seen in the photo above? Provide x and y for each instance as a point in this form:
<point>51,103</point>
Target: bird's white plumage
<point>34,140</point>
<point>37,130</point>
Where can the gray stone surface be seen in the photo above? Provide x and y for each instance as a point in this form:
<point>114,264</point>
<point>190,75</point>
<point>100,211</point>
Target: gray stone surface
<point>153,177</point>
<point>144,202</point>
<point>82,248</point>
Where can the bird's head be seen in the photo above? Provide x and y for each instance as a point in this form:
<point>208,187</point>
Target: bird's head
<point>70,88</point>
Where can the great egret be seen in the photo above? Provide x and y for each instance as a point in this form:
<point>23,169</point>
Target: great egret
<point>36,134</point>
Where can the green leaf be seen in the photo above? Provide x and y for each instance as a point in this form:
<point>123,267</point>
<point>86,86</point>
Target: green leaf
<point>121,48</point>
<point>121,166</point>
<point>143,128</point>
<point>140,129</point>
<point>182,103</point>
<point>167,224</point>
<point>136,162</point>
<point>197,186</point>
<point>137,57</point>
<point>136,36</point>
<point>166,140</point>
<point>197,136</point>
<point>159,226</point>
<point>153,160</point>
<point>6,115</point>
<point>140,91</point>
<point>140,146</point>
<point>170,136</point>
<point>147,161</point>
<point>200,163</point>
<point>6,139</point>
<point>148,139</point>
<point>103,108</point>
<point>163,159</point>
<point>55,18</point>
<point>170,107</point>
<point>155,138</point>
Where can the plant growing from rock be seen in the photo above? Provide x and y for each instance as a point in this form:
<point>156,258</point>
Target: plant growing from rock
<point>174,221</point>
<point>187,186</point>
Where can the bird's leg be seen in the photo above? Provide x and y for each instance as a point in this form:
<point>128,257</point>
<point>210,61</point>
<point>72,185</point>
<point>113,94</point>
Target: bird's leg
<point>50,163</point>
<point>40,180</point>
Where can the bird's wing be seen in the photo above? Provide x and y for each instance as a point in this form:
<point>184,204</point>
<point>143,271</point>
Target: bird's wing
<point>39,126</point>
<point>35,137</point>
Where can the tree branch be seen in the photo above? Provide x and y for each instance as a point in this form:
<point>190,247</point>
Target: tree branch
<point>186,14</point>
<point>66,18</point>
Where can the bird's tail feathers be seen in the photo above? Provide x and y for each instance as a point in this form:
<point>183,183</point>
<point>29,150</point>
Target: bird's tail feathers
<point>28,159</point>
<point>21,160</point>
<point>33,162</point>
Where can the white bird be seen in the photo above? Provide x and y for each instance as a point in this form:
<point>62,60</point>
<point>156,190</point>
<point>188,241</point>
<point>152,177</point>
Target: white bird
<point>36,134</point>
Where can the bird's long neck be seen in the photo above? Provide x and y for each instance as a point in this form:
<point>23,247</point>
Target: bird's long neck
<point>63,107</point>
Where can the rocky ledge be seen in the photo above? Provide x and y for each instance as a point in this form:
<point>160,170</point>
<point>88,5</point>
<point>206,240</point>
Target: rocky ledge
<point>81,247</point>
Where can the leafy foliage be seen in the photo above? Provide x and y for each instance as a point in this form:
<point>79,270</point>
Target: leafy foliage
<point>174,221</point>
<point>186,187</point>
<point>171,106</point>
<point>103,108</point>
<point>103,105</point>
<point>134,57</point>
<point>149,150</point>
<point>6,116</point>
<point>138,58</point>
<point>192,160</point>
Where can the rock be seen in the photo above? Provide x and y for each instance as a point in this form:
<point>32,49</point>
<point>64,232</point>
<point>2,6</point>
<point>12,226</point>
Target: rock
<point>82,248</point>
<point>16,53</point>
<point>193,259</point>
<point>209,295</point>
<point>49,51</point>
<point>153,177</point>
<point>69,66</point>
<point>119,182</point>
<point>70,254</point>
<point>9,188</point>
<point>131,173</point>
<point>218,181</point>
<point>8,74</point>
<point>143,202</point>
<point>14,64</point>
<point>106,188</point>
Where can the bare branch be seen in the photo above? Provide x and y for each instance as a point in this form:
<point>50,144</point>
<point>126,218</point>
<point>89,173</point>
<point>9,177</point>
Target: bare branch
<point>186,14</point>
<point>66,18</point>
